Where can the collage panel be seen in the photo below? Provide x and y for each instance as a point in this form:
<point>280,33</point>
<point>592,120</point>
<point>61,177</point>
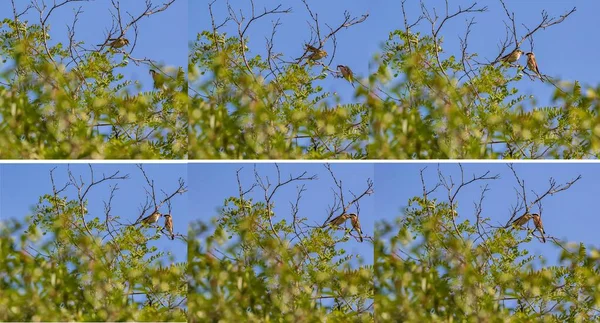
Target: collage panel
<point>279,79</point>
<point>97,242</point>
<point>348,237</point>
<point>299,242</point>
<point>289,242</point>
<point>487,242</point>
<point>318,80</point>
<point>93,79</point>
<point>392,80</point>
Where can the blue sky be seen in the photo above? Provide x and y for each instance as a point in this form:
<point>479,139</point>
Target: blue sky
<point>23,184</point>
<point>294,32</point>
<point>558,49</point>
<point>161,37</point>
<point>210,184</point>
<point>568,215</point>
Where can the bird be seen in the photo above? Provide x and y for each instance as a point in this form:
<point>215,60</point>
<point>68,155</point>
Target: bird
<point>520,221</point>
<point>152,218</point>
<point>311,48</point>
<point>356,225</point>
<point>338,220</point>
<point>169,225</point>
<point>116,42</point>
<point>512,57</point>
<point>316,54</point>
<point>159,80</point>
<point>532,64</point>
<point>346,73</point>
<point>537,220</point>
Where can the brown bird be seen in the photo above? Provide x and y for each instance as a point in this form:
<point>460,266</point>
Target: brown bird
<point>337,221</point>
<point>152,218</point>
<point>356,225</point>
<point>532,64</point>
<point>512,57</point>
<point>346,73</point>
<point>311,48</point>
<point>169,225</point>
<point>537,220</point>
<point>116,42</point>
<point>159,80</point>
<point>520,221</point>
<point>316,54</point>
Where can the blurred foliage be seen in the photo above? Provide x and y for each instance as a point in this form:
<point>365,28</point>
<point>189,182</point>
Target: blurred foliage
<point>57,104</point>
<point>64,265</point>
<point>434,115</point>
<point>250,265</point>
<point>434,265</point>
<point>237,112</point>
<point>418,102</point>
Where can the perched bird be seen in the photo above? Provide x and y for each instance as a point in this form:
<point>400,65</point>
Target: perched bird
<point>513,56</point>
<point>316,54</point>
<point>311,48</point>
<point>169,225</point>
<point>338,220</point>
<point>346,73</point>
<point>532,64</point>
<point>152,218</point>
<point>520,221</point>
<point>159,79</point>
<point>116,42</point>
<point>537,220</point>
<point>356,225</point>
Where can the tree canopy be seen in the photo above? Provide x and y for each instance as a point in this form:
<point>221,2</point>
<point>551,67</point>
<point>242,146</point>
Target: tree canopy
<point>63,98</point>
<point>436,264</point>
<point>257,265</point>
<point>419,100</point>
<point>67,263</point>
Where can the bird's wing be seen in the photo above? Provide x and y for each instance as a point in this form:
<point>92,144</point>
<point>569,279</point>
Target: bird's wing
<point>517,219</point>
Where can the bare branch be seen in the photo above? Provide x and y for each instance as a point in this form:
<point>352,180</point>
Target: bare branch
<point>522,202</point>
<point>545,23</point>
<point>338,196</point>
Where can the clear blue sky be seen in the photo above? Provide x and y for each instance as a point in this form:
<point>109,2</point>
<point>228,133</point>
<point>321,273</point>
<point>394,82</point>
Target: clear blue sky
<point>162,37</point>
<point>559,49</point>
<point>23,184</point>
<point>210,184</point>
<point>569,215</point>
